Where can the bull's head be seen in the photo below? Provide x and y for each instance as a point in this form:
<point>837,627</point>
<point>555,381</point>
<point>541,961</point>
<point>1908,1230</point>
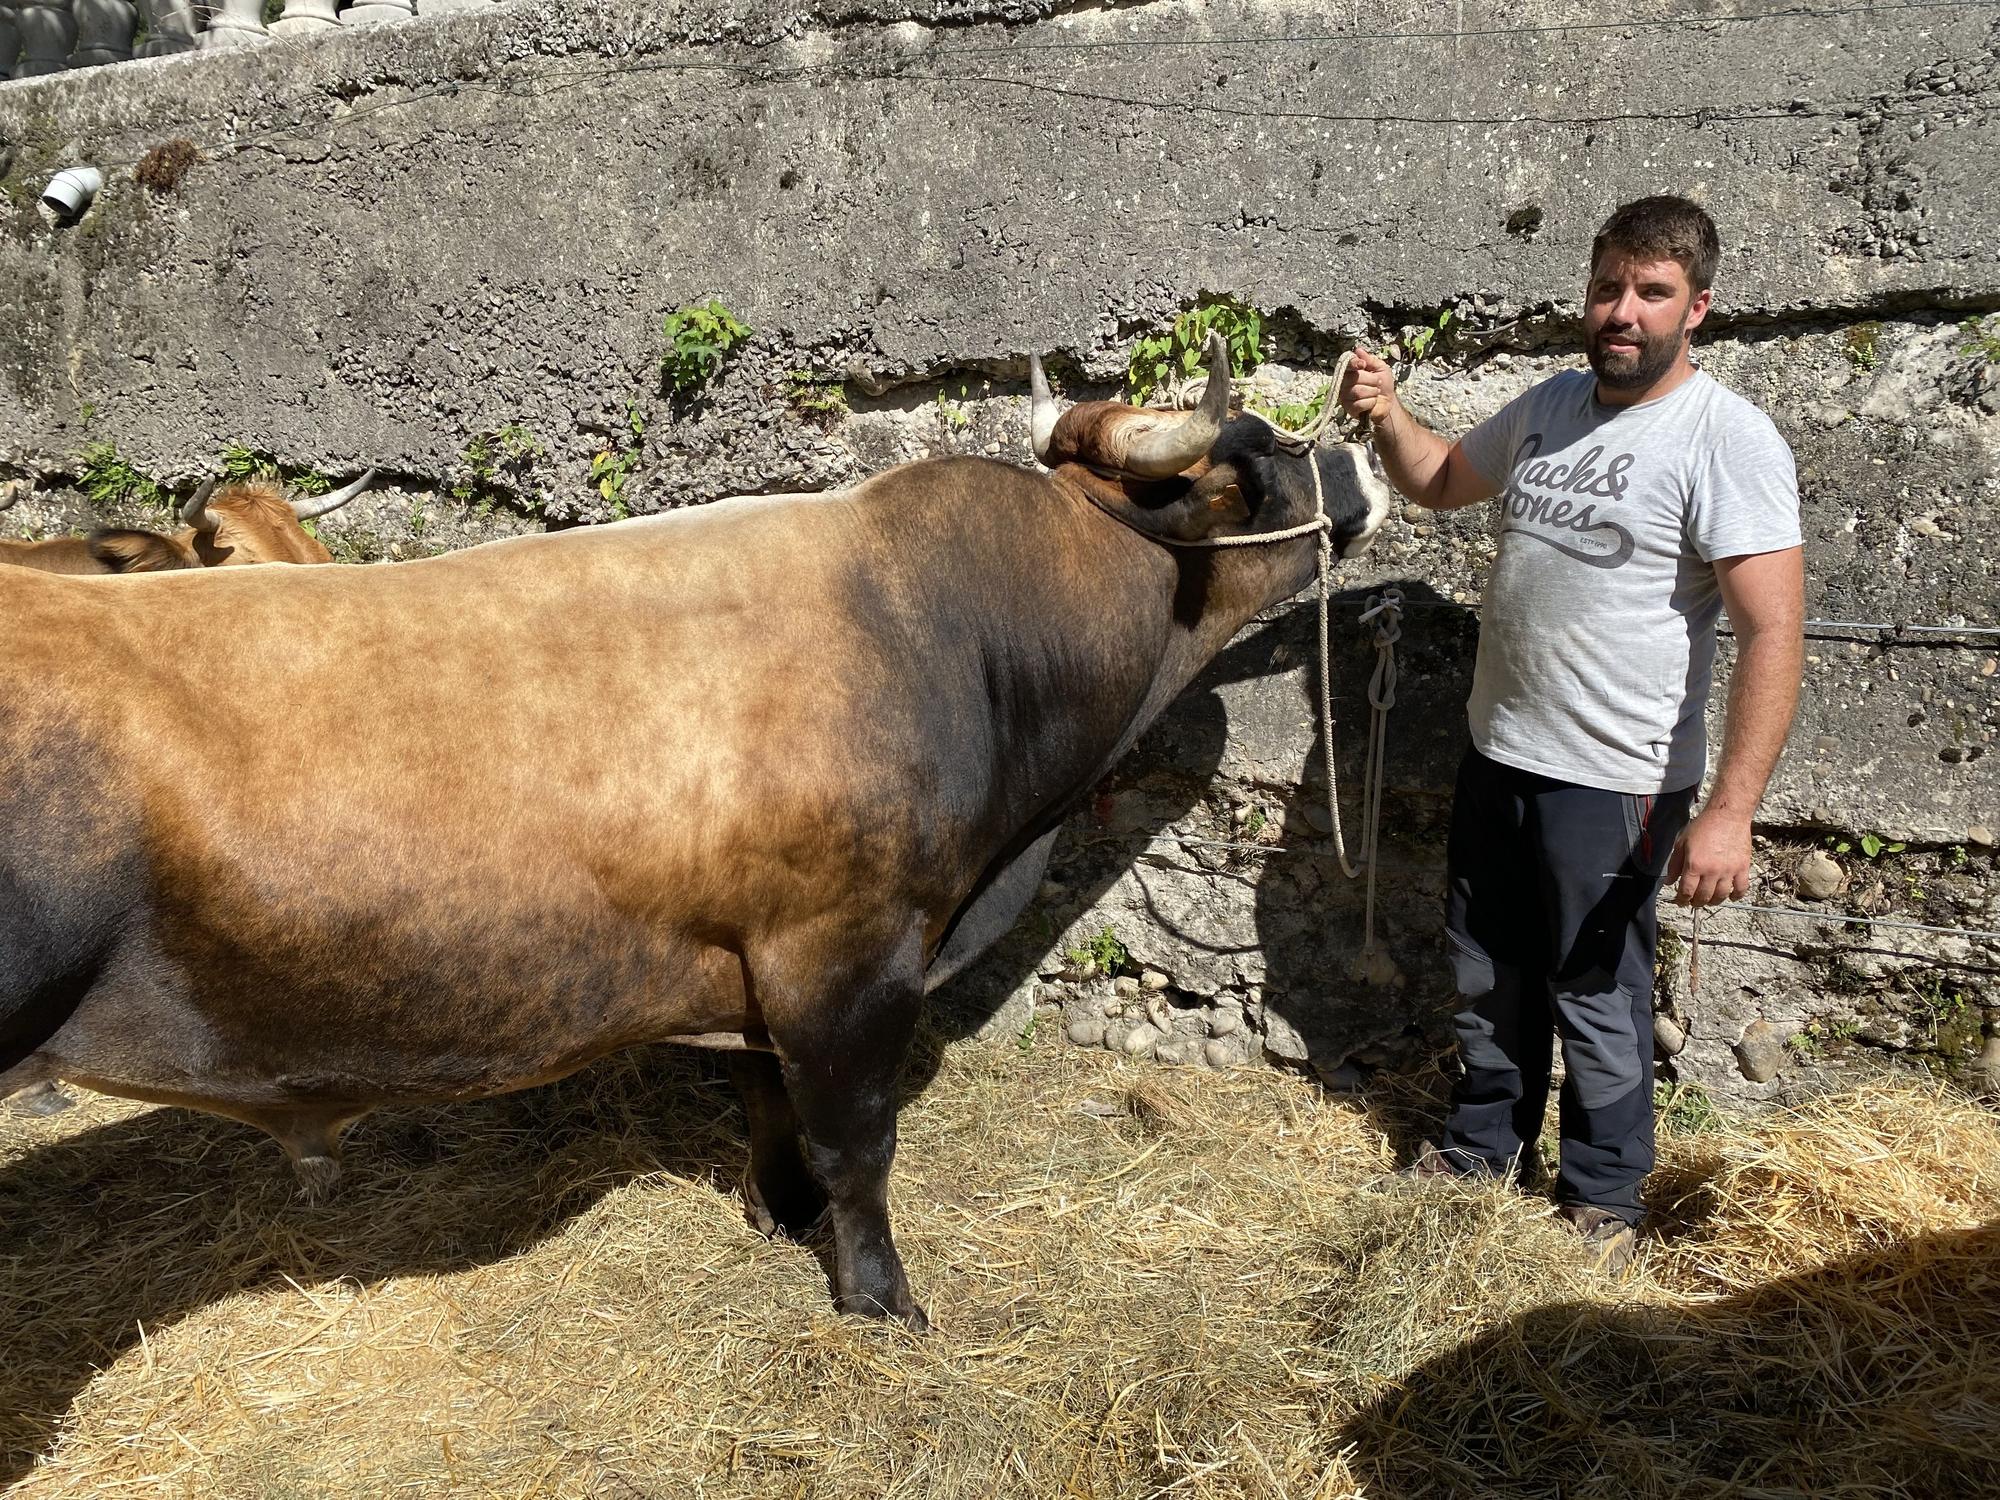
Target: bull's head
<point>207,510</point>
<point>248,522</point>
<point>1188,477</point>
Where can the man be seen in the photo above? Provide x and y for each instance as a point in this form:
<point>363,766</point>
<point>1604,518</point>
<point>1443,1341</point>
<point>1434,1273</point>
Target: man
<point>1638,500</point>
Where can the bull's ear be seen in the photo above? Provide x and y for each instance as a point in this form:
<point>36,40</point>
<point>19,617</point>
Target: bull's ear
<point>127,551</point>
<point>1177,511</point>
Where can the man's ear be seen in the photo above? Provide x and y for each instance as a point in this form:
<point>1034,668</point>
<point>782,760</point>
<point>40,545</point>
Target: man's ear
<point>1698,306</point>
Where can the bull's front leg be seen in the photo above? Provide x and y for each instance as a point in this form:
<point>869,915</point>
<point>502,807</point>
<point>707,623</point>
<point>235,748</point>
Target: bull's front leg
<point>842,1040</point>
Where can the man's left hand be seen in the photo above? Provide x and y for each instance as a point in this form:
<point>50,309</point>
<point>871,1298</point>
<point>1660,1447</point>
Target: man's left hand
<point>1711,860</point>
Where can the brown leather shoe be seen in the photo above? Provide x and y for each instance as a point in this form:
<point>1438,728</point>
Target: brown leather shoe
<point>1612,1242</point>
<point>1432,1161</point>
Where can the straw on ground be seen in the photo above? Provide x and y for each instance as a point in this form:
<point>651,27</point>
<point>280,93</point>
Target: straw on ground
<point>1145,1284</point>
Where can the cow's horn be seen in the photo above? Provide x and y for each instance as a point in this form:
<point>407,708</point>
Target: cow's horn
<point>318,505</point>
<point>1043,418</point>
<point>1168,450</point>
<point>195,512</point>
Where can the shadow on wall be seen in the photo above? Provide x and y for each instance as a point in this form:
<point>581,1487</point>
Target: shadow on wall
<point>1872,1376</point>
<point>1308,915</point>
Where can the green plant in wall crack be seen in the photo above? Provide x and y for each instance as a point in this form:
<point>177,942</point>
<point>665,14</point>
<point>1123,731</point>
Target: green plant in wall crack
<point>109,480</point>
<point>1103,953</point>
<point>700,337</point>
<point>1293,416</point>
<point>1982,337</point>
<point>1862,350</point>
<point>819,396</point>
<point>614,463</point>
<point>240,465</point>
<point>493,466</point>
<point>1425,341</point>
<point>954,415</point>
<point>1158,360</point>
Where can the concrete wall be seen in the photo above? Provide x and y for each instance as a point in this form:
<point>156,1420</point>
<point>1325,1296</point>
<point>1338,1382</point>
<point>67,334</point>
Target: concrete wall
<point>397,241</point>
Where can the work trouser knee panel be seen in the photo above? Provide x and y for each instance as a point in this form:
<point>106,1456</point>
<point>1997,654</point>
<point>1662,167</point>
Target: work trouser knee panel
<point>1600,1044</point>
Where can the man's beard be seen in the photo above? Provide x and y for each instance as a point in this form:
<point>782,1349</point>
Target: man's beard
<point>1639,369</point>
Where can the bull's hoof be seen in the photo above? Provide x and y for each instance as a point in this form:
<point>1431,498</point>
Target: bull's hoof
<point>861,1305</point>
<point>41,1099</point>
<point>792,1206</point>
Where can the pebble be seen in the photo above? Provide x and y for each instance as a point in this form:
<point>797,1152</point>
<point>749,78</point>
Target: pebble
<point>1413,513</point>
<point>1218,1054</point>
<point>1668,1038</point>
<point>1989,1064</point>
<point>1087,1031</point>
<point>1980,834</point>
<point>1339,1078</point>
<point>1924,526</point>
<point>1125,987</point>
<point>1761,1052</point>
<point>1225,1022</point>
<point>1820,876</point>
<point>1173,1052</point>
<point>1153,979</point>
<point>1140,1039</point>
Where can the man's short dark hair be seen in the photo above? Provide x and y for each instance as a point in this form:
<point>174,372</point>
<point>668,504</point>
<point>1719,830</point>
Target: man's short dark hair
<point>1663,228</point>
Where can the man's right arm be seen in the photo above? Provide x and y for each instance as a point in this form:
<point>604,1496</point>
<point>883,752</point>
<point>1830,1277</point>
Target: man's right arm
<point>1427,469</point>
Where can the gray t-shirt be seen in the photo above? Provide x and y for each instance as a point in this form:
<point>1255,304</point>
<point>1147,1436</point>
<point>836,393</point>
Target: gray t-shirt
<point>1598,631</point>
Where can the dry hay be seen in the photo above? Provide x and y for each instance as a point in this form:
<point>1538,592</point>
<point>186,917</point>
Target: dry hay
<point>1145,1283</point>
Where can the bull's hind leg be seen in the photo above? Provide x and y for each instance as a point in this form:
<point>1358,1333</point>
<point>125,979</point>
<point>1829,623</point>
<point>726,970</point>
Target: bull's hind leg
<point>842,1039</point>
<point>779,1188</point>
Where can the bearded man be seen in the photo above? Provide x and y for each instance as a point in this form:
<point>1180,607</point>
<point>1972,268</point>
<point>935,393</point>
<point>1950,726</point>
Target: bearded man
<point>1638,500</point>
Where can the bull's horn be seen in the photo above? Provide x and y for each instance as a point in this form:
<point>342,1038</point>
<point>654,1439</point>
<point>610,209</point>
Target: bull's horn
<point>1043,418</point>
<point>318,505</point>
<point>195,512</point>
<point>1168,450</point>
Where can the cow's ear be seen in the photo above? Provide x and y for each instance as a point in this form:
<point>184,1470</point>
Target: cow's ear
<point>125,551</point>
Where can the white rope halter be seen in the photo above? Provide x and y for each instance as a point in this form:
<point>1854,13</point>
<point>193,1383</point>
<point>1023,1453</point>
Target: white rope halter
<point>1384,612</point>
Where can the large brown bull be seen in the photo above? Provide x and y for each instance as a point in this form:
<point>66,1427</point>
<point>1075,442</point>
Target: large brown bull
<point>250,521</point>
<point>747,776</point>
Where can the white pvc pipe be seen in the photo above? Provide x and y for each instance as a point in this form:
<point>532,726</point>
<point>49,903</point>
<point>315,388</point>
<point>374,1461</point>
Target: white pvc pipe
<point>69,192</point>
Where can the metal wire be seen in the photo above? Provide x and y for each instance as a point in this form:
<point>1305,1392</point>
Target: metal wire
<point>1839,918</point>
<point>904,69</point>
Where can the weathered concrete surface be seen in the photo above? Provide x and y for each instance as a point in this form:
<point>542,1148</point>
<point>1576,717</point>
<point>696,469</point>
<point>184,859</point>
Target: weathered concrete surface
<point>400,241</point>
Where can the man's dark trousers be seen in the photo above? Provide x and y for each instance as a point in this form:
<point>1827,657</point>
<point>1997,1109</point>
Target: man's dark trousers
<point>1551,928</point>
